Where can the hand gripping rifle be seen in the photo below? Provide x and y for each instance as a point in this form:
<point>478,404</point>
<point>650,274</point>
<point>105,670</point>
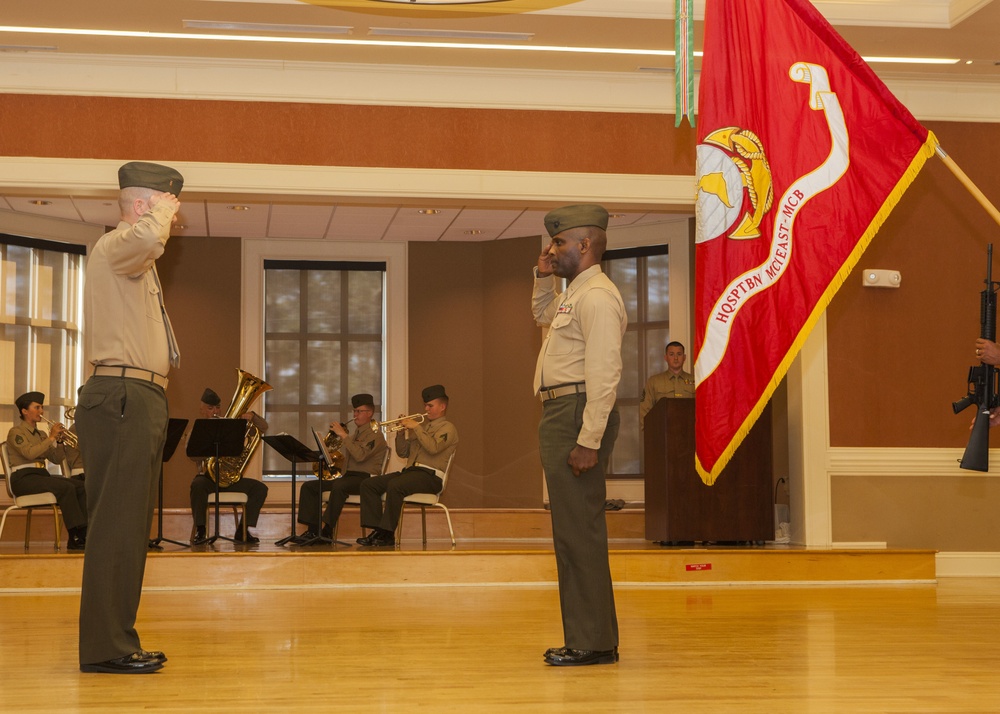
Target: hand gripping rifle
<point>982,380</point>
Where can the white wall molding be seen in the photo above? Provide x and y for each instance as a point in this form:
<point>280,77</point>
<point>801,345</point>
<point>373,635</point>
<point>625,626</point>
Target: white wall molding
<point>967,565</point>
<point>82,177</point>
<point>895,462</point>
<point>930,98</point>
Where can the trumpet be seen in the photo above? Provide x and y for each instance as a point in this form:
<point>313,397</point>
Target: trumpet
<point>397,424</point>
<point>67,437</point>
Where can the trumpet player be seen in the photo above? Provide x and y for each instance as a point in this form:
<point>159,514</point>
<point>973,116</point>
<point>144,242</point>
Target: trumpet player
<point>426,446</point>
<point>202,485</point>
<point>29,447</point>
<point>364,450</point>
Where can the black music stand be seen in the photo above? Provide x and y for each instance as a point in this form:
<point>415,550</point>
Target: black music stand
<point>296,452</point>
<point>175,430</point>
<point>218,438</point>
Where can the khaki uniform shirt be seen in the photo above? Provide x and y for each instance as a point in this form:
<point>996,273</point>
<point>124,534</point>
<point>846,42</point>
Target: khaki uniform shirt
<point>123,308</point>
<point>364,449</point>
<point>430,443</point>
<point>583,344</point>
<point>665,385</point>
<point>32,446</point>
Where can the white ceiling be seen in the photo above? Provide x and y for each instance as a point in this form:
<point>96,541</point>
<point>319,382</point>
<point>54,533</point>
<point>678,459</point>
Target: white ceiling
<point>965,29</point>
<point>330,222</point>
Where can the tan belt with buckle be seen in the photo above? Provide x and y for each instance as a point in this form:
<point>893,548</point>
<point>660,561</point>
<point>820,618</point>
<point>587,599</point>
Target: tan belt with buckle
<point>561,391</point>
<point>108,370</point>
<point>29,465</point>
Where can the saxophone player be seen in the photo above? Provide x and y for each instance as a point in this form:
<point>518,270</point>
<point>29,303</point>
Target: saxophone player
<point>364,450</point>
<point>203,485</point>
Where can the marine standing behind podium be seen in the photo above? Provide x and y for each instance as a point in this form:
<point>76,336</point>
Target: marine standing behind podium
<point>121,415</point>
<point>675,383</point>
<point>577,376</point>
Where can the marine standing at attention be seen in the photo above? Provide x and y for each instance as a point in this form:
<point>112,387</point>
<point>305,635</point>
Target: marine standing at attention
<point>121,415</point>
<point>577,377</point>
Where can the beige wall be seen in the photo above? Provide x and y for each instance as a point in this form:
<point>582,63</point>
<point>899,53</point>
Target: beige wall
<point>201,287</point>
<point>471,329</point>
<point>898,358</point>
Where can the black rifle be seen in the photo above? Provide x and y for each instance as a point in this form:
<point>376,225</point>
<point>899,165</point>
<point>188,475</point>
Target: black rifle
<point>982,380</point>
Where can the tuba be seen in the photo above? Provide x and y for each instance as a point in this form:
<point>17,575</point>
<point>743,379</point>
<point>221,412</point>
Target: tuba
<point>227,470</point>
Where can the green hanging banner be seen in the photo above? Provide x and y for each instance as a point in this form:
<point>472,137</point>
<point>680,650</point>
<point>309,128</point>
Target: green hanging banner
<point>683,62</point>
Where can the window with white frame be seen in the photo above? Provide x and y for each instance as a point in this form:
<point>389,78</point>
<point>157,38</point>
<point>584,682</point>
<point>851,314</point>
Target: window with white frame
<point>323,342</point>
<point>642,276</point>
<point>41,312</point>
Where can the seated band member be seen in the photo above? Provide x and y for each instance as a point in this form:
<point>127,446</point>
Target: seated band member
<point>29,447</point>
<point>203,484</point>
<point>363,450</point>
<point>426,446</point>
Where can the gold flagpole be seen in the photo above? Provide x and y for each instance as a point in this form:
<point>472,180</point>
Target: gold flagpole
<point>967,182</point>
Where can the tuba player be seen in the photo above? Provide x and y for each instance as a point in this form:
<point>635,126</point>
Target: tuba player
<point>203,485</point>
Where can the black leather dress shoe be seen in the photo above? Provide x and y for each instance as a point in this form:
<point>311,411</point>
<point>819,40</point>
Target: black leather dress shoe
<point>555,651</point>
<point>576,658</point>
<point>134,663</point>
<point>378,537</point>
<point>200,536</point>
<point>155,655</point>
<point>75,542</point>
<point>251,539</point>
<point>307,536</point>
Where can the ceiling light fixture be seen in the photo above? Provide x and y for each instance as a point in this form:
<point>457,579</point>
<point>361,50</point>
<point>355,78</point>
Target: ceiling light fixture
<point>28,48</point>
<point>473,232</point>
<point>90,32</point>
<point>428,211</point>
<point>73,31</point>
<point>453,34</point>
<point>268,27</point>
<point>40,202</point>
<point>911,60</point>
<point>238,208</point>
<point>440,2</point>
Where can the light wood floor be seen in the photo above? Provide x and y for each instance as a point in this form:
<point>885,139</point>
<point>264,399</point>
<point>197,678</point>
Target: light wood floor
<point>916,648</point>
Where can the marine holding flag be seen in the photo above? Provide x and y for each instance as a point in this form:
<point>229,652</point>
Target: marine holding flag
<point>802,154</point>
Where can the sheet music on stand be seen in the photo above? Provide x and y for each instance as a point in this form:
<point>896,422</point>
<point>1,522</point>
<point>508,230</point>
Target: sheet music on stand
<point>296,452</point>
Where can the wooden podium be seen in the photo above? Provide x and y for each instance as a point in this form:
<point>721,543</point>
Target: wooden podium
<point>680,507</point>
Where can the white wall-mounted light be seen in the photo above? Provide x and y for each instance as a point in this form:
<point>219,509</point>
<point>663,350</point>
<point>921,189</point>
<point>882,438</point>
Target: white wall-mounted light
<point>873,278</point>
